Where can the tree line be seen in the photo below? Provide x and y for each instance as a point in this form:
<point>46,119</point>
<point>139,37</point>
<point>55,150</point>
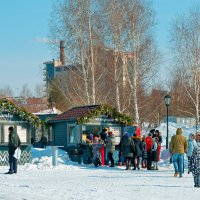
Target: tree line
<point>114,43</point>
<point>115,59</point>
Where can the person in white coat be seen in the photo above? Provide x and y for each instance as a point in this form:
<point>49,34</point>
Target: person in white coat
<point>191,145</point>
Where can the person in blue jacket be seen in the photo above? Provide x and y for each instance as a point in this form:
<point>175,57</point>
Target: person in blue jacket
<point>191,145</point>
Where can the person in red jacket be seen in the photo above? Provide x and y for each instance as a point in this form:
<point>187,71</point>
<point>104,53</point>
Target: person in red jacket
<point>149,144</point>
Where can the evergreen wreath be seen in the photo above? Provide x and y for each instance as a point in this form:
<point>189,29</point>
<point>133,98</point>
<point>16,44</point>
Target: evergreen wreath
<point>106,110</point>
<point>7,106</point>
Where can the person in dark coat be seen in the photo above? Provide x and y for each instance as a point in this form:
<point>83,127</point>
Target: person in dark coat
<point>111,147</point>
<point>13,143</point>
<point>138,151</point>
<point>87,155</point>
<point>152,131</point>
<point>121,157</point>
<point>126,150</point>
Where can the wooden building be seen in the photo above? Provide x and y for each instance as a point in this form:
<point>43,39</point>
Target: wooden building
<point>68,127</point>
<point>23,123</point>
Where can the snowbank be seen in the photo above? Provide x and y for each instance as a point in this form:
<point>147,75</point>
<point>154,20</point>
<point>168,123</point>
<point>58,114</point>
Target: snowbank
<point>42,159</point>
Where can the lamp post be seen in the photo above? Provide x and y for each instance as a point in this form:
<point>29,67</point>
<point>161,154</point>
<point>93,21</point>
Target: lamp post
<point>167,102</point>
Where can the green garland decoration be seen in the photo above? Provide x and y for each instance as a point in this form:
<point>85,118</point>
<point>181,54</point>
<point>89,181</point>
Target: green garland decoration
<point>106,110</point>
<point>7,106</point>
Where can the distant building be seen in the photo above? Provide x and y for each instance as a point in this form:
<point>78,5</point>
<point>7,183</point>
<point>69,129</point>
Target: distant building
<point>187,121</point>
<point>32,104</point>
<point>58,68</point>
<point>105,65</point>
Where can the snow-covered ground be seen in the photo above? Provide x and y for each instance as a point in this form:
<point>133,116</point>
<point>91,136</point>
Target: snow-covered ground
<point>172,130</point>
<point>69,180</point>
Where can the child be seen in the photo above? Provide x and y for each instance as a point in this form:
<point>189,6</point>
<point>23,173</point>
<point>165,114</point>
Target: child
<point>96,146</point>
<point>195,163</point>
<point>154,155</point>
<point>144,152</point>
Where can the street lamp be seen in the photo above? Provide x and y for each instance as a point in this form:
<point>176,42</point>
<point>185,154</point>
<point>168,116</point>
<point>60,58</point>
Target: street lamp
<point>167,102</point>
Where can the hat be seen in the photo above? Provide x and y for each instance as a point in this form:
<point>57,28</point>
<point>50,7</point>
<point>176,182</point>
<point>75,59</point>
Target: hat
<point>179,131</point>
<point>11,128</point>
<point>150,134</point>
<point>157,131</point>
<point>152,130</point>
<point>110,133</point>
<point>134,134</point>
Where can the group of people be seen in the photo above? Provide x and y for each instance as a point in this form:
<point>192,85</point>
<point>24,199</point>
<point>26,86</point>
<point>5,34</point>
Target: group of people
<point>145,151</point>
<point>134,151</point>
<point>100,148</point>
<point>180,145</point>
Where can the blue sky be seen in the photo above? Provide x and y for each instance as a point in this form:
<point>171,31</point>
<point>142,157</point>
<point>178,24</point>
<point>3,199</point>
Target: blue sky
<point>24,27</point>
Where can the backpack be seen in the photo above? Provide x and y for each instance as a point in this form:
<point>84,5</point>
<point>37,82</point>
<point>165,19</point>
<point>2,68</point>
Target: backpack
<point>132,146</point>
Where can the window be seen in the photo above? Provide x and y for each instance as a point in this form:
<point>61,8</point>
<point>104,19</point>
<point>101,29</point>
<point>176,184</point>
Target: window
<point>72,134</point>
<point>6,133</point>
<point>58,69</point>
<point>93,130</point>
<point>22,132</point>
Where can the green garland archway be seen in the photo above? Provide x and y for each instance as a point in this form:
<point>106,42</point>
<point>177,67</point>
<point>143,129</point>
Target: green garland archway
<point>106,110</point>
<point>7,106</point>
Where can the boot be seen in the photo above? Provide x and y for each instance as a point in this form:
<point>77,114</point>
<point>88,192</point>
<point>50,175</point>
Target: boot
<point>127,165</point>
<point>156,166</point>
<point>176,174</point>
<point>198,181</point>
<point>143,164</point>
<point>195,181</point>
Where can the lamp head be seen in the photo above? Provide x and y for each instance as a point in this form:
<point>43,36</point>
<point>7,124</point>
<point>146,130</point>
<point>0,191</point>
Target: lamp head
<point>167,100</point>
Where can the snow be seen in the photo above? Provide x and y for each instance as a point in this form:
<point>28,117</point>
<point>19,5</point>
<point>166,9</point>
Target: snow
<point>69,180</point>
<point>172,127</point>
<point>48,111</point>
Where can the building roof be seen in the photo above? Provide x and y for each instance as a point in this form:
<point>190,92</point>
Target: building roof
<point>84,114</point>
<point>74,113</point>
<point>32,105</point>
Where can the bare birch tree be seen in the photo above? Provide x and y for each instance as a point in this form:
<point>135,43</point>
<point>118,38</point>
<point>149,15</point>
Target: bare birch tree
<point>143,62</point>
<point>73,21</point>
<point>185,38</point>
<point>113,43</point>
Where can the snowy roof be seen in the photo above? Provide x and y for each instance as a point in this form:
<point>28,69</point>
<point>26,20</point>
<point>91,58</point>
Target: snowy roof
<point>48,111</point>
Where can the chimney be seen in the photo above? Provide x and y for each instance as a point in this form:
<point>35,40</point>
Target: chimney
<point>62,52</point>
